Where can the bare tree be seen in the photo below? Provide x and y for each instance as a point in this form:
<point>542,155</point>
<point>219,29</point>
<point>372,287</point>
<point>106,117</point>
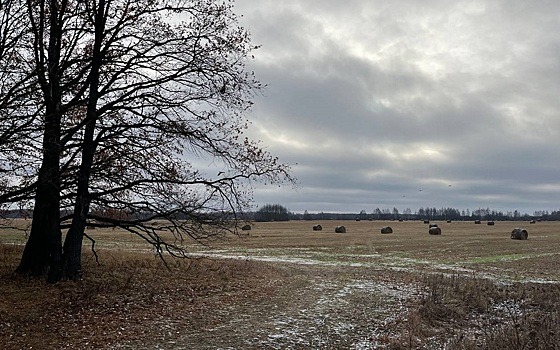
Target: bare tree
<point>31,111</point>
<point>135,93</point>
<point>19,123</point>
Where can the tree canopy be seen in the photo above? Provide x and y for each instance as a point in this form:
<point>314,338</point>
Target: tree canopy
<point>108,109</point>
<point>272,212</point>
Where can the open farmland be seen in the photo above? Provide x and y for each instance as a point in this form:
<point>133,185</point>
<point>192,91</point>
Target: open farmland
<point>286,286</point>
<point>463,246</point>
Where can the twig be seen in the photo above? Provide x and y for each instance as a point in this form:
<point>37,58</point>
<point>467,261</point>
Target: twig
<point>93,248</point>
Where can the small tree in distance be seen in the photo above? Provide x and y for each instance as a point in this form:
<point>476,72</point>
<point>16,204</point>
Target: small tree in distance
<point>272,212</point>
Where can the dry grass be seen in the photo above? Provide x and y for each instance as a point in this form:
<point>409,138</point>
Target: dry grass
<point>470,288</point>
<point>480,314</point>
<point>129,299</point>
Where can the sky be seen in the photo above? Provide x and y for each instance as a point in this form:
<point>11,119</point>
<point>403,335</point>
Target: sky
<point>408,103</point>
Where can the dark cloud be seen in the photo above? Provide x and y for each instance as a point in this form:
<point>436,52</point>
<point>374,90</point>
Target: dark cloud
<point>374,100</point>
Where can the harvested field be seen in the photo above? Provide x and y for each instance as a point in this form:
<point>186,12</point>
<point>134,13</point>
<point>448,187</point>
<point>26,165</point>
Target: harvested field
<point>285,286</point>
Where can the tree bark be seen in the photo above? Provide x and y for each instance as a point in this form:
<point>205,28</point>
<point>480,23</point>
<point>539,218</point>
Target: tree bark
<point>43,250</point>
<point>72,258</point>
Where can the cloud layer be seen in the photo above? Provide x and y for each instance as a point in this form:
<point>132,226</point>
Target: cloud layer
<point>378,100</point>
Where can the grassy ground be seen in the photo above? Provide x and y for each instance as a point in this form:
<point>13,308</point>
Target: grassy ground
<point>285,286</point>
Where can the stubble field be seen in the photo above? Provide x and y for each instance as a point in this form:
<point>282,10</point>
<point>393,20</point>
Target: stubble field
<point>285,286</point>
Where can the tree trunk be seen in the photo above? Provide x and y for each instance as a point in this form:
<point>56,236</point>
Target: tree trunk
<point>72,258</point>
<point>43,250</point>
<point>73,243</point>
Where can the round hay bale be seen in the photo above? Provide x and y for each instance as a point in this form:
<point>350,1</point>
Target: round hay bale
<point>246,227</point>
<point>477,222</point>
<point>490,223</point>
<point>433,225</point>
<point>386,229</point>
<point>519,233</point>
<point>426,221</point>
<point>434,230</point>
<point>317,228</point>
<point>340,229</point>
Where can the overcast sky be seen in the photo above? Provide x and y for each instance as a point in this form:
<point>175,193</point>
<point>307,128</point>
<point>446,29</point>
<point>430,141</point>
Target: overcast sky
<point>409,103</point>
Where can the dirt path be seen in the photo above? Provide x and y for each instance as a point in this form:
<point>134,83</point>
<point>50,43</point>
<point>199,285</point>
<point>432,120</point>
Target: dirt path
<point>314,307</point>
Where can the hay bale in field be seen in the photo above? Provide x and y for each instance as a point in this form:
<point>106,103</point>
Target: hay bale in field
<point>433,225</point>
<point>477,222</point>
<point>426,221</point>
<point>490,223</point>
<point>340,229</point>
<point>519,233</point>
<point>386,229</point>
<point>317,228</point>
<point>246,227</point>
<point>434,230</point>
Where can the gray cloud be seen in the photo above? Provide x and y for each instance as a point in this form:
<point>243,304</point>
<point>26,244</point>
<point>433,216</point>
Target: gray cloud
<point>375,100</point>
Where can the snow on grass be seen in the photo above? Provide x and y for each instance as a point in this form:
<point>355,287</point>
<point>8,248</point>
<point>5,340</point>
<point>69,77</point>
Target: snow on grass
<point>332,318</point>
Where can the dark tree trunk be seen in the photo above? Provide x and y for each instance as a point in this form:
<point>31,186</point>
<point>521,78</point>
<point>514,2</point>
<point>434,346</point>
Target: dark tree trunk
<point>43,250</point>
<point>74,238</point>
<point>72,258</point>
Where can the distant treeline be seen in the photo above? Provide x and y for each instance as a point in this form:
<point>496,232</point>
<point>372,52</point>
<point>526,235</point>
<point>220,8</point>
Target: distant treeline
<point>277,212</point>
<point>407,214</point>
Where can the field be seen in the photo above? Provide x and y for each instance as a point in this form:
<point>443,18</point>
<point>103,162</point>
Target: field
<point>285,286</point>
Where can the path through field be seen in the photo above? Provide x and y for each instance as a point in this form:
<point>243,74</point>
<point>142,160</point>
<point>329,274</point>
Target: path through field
<point>315,307</point>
